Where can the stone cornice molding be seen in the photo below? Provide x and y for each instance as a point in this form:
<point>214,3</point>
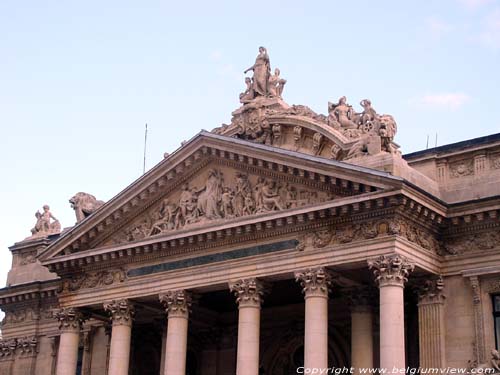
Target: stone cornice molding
<point>177,303</point>
<point>70,319</point>
<point>431,291</point>
<point>248,292</point>
<point>121,312</point>
<point>315,282</point>
<point>391,270</point>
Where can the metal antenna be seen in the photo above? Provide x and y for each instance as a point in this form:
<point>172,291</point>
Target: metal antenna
<point>145,144</point>
<point>427,144</point>
<point>436,141</point>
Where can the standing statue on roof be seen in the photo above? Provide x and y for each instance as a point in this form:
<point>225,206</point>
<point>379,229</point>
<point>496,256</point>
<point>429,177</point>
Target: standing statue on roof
<point>261,72</point>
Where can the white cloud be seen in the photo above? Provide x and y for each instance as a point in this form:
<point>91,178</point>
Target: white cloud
<point>438,27</point>
<point>449,101</point>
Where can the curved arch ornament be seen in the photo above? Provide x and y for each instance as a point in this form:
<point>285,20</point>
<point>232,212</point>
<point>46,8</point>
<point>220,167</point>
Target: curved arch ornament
<point>342,134</point>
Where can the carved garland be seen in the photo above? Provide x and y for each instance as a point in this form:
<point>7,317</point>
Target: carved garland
<point>93,280</point>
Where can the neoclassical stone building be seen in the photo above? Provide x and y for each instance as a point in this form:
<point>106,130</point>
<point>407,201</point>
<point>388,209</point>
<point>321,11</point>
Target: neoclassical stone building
<point>282,241</point>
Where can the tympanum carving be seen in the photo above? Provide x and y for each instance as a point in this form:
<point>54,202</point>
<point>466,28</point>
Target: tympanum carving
<point>221,197</point>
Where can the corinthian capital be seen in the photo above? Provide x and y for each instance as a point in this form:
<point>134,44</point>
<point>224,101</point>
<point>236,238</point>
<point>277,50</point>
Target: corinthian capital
<point>315,282</point>
<point>248,292</point>
<point>70,319</point>
<point>121,311</point>
<point>391,269</point>
<point>176,303</point>
<point>431,291</point>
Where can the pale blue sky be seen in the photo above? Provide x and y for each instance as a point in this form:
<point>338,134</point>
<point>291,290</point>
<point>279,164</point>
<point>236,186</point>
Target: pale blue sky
<point>78,81</point>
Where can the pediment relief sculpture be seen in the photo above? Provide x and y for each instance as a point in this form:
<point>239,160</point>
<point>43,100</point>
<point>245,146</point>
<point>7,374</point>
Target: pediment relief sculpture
<point>342,134</point>
<point>218,195</point>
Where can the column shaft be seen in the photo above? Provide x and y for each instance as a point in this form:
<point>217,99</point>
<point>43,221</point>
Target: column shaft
<point>316,332</point>
<point>176,346</point>
<point>177,304</point>
<point>119,351</point>
<point>67,357</point>
<point>247,360</point>
<point>392,330</point>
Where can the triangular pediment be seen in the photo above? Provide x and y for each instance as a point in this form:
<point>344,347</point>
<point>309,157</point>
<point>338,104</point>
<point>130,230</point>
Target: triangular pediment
<point>214,180</point>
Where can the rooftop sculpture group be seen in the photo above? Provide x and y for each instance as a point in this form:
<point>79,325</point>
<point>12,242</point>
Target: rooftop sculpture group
<point>46,223</point>
<point>348,134</point>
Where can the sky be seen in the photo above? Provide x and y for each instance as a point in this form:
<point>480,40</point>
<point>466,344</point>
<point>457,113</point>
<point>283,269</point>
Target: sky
<point>80,79</point>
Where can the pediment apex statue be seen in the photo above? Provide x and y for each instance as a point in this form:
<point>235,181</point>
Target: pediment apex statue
<point>342,134</point>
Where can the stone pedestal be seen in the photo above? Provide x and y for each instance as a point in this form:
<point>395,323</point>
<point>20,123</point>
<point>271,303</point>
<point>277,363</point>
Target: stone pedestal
<point>177,304</point>
<point>122,313</point>
<point>249,298</point>
<point>315,285</point>
<point>391,273</point>
<point>70,322</point>
<point>431,325</point>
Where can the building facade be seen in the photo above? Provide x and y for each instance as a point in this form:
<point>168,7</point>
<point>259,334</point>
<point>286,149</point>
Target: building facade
<point>286,241</point>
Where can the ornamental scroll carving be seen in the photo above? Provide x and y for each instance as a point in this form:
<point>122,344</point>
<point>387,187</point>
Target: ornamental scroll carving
<point>93,280</point>
<point>248,292</point>
<point>177,302</point>
<point>314,281</point>
<point>221,196</point>
<point>391,269</point>
<point>121,312</point>
<point>343,234</point>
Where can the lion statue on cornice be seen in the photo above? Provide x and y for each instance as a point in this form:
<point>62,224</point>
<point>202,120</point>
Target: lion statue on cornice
<point>84,205</point>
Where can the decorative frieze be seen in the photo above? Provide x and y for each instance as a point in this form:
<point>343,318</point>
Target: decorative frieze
<point>177,302</point>
<point>462,168</point>
<point>70,319</point>
<point>471,242</point>
<point>351,232</point>
<point>391,269</point>
<point>93,280</point>
<point>248,292</point>
<point>314,282</point>
<point>121,312</point>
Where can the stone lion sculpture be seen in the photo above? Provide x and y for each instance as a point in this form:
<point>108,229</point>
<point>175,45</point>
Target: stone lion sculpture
<point>84,205</point>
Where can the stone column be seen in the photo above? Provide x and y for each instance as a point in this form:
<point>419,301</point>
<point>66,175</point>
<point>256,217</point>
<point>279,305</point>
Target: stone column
<point>431,328</point>
<point>122,313</point>
<point>315,285</point>
<point>177,304</point>
<point>70,324</point>
<point>391,273</point>
<point>248,294</point>
<point>361,302</point>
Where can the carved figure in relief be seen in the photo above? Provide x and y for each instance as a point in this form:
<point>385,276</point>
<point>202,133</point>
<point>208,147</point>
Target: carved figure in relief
<point>84,205</point>
<point>187,207</point>
<point>493,365</point>
<point>243,199</point>
<point>208,200</point>
<point>227,202</point>
<point>276,84</point>
<point>261,71</point>
<point>44,225</point>
<point>270,198</point>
